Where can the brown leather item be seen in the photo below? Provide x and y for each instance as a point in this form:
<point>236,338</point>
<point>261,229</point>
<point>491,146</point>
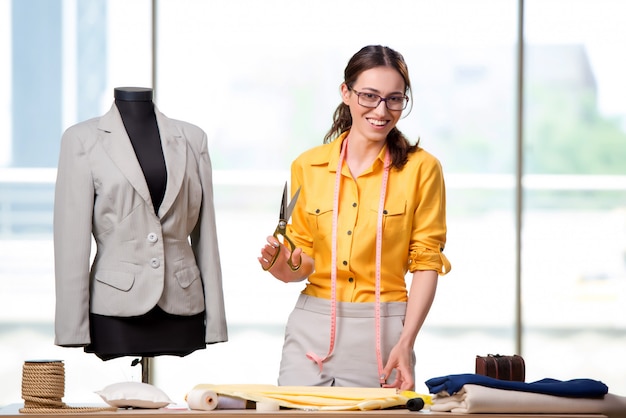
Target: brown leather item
<point>501,367</point>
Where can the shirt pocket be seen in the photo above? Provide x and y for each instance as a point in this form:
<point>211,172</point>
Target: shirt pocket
<point>395,221</point>
<point>320,220</point>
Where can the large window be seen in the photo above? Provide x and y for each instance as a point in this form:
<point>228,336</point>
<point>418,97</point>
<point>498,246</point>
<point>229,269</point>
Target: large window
<point>264,89</point>
<point>574,235</point>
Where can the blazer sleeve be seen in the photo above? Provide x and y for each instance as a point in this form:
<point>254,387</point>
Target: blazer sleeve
<point>205,247</point>
<point>73,209</point>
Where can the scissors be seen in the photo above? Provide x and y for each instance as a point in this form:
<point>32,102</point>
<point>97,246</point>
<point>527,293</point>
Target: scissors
<point>281,228</point>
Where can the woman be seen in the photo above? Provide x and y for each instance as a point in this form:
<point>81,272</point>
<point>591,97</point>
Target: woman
<point>371,207</point>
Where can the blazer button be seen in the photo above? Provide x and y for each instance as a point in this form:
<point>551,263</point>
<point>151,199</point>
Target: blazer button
<point>155,263</point>
<point>152,237</point>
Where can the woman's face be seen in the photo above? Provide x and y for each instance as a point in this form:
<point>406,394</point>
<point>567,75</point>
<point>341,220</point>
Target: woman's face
<point>373,124</point>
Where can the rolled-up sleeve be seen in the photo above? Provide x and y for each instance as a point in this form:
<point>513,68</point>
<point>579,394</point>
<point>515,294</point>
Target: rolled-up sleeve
<point>428,237</point>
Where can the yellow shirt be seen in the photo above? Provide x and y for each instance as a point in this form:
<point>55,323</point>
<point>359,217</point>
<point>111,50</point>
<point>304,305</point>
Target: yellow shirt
<point>414,223</point>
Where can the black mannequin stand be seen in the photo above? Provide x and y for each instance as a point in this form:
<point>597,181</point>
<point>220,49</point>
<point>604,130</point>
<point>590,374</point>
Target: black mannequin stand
<point>138,94</point>
<point>146,368</point>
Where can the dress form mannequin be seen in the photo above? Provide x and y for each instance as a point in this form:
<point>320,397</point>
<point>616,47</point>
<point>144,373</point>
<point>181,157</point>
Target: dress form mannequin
<point>156,332</point>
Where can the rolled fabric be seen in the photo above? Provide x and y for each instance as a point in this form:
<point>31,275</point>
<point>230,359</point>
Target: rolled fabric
<point>208,400</point>
<point>267,406</point>
<point>202,399</point>
<point>231,402</point>
<point>314,397</point>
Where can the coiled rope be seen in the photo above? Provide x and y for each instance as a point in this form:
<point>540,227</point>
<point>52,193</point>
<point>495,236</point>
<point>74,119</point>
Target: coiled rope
<point>43,387</point>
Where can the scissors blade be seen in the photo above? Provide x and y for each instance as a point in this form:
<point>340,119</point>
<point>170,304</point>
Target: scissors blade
<point>292,204</point>
<point>283,204</point>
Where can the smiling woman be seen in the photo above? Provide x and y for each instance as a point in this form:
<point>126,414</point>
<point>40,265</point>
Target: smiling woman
<point>370,163</point>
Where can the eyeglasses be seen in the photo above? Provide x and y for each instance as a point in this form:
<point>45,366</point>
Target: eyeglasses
<point>372,100</point>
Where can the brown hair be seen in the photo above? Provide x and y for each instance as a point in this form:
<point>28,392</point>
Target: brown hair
<point>367,58</point>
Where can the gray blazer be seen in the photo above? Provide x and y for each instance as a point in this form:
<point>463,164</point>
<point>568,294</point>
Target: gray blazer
<point>142,260</point>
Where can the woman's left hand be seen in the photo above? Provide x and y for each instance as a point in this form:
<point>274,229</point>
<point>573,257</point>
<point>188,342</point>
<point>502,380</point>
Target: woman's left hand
<point>400,360</point>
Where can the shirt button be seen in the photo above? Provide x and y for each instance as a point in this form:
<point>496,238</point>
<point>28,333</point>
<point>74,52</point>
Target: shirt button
<point>349,232</point>
<point>354,205</point>
<point>351,279</point>
<point>345,263</point>
<point>152,237</point>
<point>155,263</point>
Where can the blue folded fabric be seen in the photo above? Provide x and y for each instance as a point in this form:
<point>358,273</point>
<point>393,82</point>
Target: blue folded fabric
<point>575,388</point>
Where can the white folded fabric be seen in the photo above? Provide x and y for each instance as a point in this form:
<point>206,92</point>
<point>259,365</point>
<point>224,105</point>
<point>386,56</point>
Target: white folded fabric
<point>482,399</point>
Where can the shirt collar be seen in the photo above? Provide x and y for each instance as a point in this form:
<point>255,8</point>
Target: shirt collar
<point>335,151</point>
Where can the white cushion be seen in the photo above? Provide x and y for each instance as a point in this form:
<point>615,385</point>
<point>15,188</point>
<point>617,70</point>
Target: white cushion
<point>134,395</point>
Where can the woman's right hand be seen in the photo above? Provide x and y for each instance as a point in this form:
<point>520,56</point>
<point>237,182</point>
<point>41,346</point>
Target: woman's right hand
<point>280,269</point>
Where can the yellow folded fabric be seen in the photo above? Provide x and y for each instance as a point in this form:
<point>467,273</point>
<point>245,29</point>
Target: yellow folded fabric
<point>318,397</point>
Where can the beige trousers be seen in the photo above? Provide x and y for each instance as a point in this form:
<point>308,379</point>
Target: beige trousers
<point>353,362</point>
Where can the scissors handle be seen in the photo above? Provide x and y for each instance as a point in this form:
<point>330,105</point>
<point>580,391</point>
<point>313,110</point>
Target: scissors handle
<point>292,247</point>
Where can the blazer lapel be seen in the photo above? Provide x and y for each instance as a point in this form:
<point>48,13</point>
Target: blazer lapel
<point>175,154</point>
<point>117,145</point>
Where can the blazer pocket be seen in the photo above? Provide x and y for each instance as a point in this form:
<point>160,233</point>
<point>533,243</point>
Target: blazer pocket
<point>116,279</point>
<point>187,276</point>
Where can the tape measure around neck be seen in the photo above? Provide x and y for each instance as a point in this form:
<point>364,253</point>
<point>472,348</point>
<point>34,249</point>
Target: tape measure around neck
<point>333,269</point>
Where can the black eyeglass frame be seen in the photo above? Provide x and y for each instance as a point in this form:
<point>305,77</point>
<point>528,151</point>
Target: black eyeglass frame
<point>380,99</point>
